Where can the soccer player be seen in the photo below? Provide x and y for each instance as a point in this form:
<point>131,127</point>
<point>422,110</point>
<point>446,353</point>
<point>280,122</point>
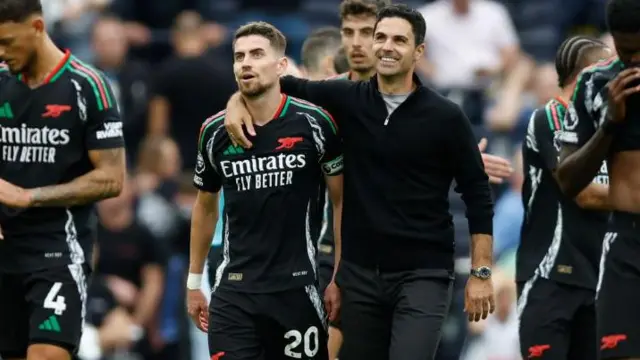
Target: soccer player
<point>318,51</point>
<point>265,302</point>
<point>358,19</point>
<point>601,124</point>
<point>404,145</point>
<point>62,149</point>
<point>561,238</point>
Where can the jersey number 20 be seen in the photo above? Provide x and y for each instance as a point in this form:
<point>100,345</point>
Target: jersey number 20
<point>54,301</point>
<point>309,341</point>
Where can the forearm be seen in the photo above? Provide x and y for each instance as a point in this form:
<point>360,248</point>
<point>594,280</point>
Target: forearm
<point>575,171</point>
<point>481,250</point>
<point>594,197</point>
<point>96,185</point>
<point>148,301</point>
<point>203,223</point>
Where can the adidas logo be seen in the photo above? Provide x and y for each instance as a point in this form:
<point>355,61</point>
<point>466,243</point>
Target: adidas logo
<point>5,111</point>
<point>233,150</point>
<point>51,324</point>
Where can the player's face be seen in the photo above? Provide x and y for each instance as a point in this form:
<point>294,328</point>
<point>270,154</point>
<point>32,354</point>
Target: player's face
<point>628,47</point>
<point>357,38</point>
<point>256,64</point>
<point>395,48</point>
<point>18,42</point>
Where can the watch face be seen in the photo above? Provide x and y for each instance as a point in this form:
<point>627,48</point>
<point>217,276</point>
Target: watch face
<point>485,272</point>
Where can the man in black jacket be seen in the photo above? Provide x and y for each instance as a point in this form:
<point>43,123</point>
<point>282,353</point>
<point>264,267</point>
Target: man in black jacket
<point>403,146</point>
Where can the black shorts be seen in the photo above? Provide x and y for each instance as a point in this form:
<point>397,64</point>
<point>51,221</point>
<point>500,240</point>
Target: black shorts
<point>619,289</point>
<point>44,307</point>
<point>284,325</point>
<point>557,321</point>
<point>392,315</point>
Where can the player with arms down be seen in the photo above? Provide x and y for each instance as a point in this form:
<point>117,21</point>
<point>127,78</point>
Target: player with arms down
<point>559,252</point>
<point>603,124</point>
<point>265,303</point>
<point>62,149</point>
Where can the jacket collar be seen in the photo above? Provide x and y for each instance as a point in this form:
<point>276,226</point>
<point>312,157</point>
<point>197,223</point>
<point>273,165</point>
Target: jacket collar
<point>416,80</point>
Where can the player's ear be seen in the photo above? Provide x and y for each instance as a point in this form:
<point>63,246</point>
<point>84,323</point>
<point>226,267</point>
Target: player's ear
<point>37,23</point>
<point>283,65</point>
<point>418,53</point>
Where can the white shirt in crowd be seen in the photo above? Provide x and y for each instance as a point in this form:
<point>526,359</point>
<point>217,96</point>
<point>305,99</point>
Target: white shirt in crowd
<point>460,44</point>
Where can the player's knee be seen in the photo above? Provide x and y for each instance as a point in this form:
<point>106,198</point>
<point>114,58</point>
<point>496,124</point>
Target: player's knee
<point>47,352</point>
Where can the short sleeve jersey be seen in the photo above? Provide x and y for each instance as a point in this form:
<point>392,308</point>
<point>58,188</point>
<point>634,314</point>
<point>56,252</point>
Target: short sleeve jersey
<point>560,241</point>
<point>273,195</point>
<point>46,134</point>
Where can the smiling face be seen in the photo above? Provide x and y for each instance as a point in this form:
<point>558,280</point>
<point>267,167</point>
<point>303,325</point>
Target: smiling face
<point>394,47</point>
<point>257,64</point>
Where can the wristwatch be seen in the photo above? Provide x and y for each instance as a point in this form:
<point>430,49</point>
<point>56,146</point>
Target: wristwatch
<point>482,272</point>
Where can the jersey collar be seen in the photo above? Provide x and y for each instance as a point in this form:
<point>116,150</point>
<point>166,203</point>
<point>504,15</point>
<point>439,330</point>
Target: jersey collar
<point>283,107</point>
<point>55,73</point>
<point>561,102</point>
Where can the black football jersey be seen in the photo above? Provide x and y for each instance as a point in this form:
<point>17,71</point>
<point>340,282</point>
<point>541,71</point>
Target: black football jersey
<point>560,241</point>
<point>272,195</point>
<point>45,136</point>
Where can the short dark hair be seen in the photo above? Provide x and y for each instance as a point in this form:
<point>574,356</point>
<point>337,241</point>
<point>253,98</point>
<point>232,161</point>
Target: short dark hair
<point>321,42</point>
<point>276,37</point>
<point>340,61</point>
<point>623,16</point>
<point>418,24</point>
<point>572,55</point>
<point>361,7</point>
<point>18,10</point>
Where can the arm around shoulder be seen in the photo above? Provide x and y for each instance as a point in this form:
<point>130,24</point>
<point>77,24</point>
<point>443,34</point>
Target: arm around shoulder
<point>332,95</point>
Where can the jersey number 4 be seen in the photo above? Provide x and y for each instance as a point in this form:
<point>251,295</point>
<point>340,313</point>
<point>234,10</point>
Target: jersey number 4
<point>309,340</point>
<point>54,301</point>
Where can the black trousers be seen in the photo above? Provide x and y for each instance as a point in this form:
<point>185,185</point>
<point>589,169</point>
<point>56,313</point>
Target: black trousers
<point>392,315</point>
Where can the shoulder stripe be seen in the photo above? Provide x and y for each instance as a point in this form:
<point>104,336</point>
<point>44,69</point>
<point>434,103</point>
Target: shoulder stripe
<point>553,117</point>
<point>97,83</point>
<point>207,124</point>
<point>323,113</point>
<point>4,67</point>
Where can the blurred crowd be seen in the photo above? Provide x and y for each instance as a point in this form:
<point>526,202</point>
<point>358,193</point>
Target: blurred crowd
<point>169,63</point>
